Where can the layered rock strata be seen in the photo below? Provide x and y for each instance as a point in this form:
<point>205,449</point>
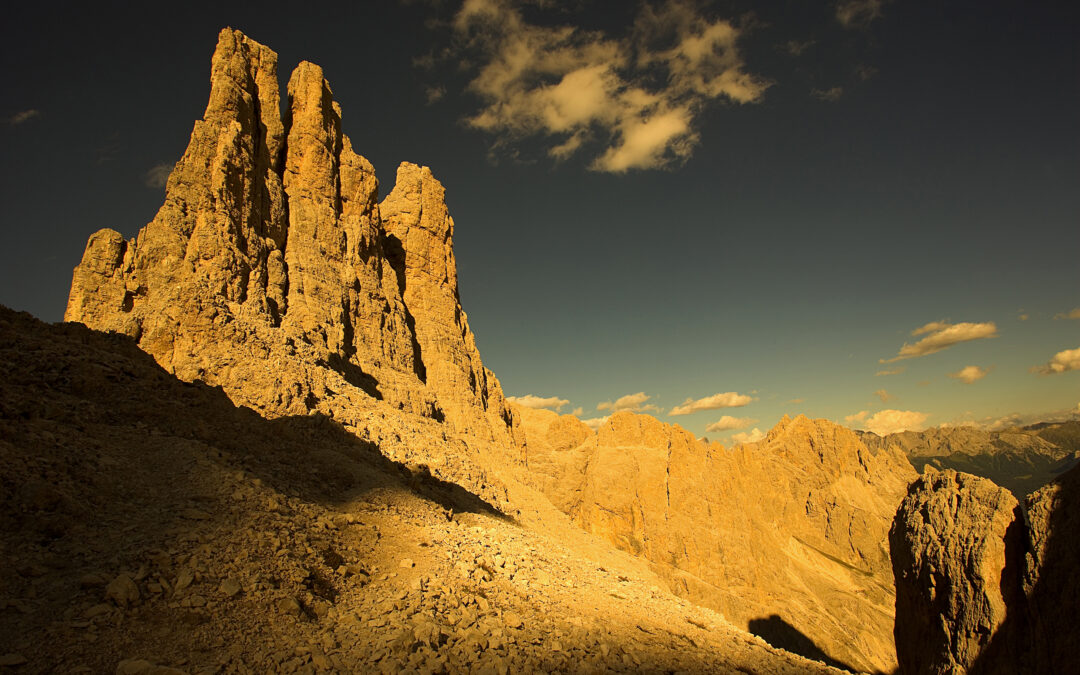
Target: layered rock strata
<point>985,584</point>
<point>272,271</point>
<point>786,536</point>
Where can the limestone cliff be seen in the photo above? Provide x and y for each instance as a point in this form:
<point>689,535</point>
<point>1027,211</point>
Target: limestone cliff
<point>786,536</point>
<point>271,270</point>
<point>983,584</point>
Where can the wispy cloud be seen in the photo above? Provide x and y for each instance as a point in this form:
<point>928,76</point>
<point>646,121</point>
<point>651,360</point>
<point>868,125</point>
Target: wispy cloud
<point>858,13</point>
<point>1071,314</point>
<point>891,371</point>
<point>728,399</point>
<point>1062,362</point>
<point>1023,419</point>
<point>23,116</point>
<point>752,436</point>
<point>158,176</point>
<point>797,47</point>
<point>536,402</point>
<point>969,374</point>
<point>578,411</point>
<point>830,94</point>
<point>631,402</point>
<point>727,422</point>
<point>434,94</point>
<point>886,422</point>
<point>942,335</point>
<point>884,395</point>
<point>628,102</point>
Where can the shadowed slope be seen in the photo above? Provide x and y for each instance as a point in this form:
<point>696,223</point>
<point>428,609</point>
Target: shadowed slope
<point>148,518</point>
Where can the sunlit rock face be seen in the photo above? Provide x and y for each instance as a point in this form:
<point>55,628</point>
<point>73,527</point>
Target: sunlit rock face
<point>272,271</point>
<point>985,584</point>
<point>787,536</point>
<point>949,558</point>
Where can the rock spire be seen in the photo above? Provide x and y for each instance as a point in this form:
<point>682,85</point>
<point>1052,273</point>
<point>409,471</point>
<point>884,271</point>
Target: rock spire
<point>273,270</point>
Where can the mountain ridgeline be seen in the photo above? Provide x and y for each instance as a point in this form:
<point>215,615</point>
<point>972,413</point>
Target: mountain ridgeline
<point>404,515</point>
<point>1021,460</point>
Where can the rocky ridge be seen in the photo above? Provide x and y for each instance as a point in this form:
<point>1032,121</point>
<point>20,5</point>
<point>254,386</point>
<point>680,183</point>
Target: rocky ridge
<point>784,537</point>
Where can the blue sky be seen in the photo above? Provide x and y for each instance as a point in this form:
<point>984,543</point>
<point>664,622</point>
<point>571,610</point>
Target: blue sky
<point>675,198</point>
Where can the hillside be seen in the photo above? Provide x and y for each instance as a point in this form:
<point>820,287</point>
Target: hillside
<point>149,519</point>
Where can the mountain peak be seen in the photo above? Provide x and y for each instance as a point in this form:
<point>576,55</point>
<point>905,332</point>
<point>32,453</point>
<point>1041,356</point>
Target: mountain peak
<point>272,242</point>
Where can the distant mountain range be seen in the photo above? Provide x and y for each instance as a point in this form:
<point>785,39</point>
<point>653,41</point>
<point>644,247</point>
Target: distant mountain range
<point>1020,459</point>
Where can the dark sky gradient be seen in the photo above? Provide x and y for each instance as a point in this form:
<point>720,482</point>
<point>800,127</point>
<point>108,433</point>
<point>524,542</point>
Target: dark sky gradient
<point>800,243</point>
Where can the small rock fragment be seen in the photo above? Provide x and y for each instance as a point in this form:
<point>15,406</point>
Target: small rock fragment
<point>230,588</point>
<point>123,591</point>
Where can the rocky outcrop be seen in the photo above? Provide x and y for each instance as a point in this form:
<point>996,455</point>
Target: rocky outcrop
<point>555,450</point>
<point>785,537</point>
<point>271,270</point>
<point>984,585</point>
<point>949,544</point>
<point>419,236</point>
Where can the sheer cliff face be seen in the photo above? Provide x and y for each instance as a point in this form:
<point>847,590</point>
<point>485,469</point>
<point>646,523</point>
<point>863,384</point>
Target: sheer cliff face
<point>985,584</point>
<point>272,271</point>
<point>786,537</point>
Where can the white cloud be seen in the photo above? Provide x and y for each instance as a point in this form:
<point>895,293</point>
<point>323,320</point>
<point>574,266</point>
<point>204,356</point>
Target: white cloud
<point>969,374</point>
<point>578,411</point>
<point>631,100</point>
<point>884,395</point>
<point>752,436</point>
<point>595,422</point>
<point>1062,362</point>
<point>886,422</point>
<point>943,335</point>
<point>631,402</point>
<point>727,422</point>
<point>1071,314</point>
<point>858,13</point>
<point>23,116</point>
<point>158,176</point>
<point>530,401</point>
<point>728,399</point>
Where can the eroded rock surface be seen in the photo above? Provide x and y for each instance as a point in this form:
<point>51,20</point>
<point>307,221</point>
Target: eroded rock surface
<point>949,545</point>
<point>271,271</point>
<point>786,536</point>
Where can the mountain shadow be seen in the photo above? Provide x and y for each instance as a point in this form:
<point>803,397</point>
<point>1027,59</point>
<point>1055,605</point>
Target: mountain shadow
<point>782,635</point>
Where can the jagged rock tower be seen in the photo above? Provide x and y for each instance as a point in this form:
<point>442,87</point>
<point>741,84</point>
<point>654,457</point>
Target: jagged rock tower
<point>273,271</point>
